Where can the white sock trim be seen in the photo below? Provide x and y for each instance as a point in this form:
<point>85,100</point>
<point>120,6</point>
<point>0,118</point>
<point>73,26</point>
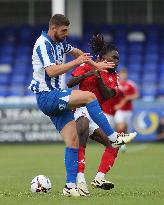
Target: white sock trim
<point>113,137</point>
<point>71,185</point>
<point>99,175</point>
<point>81,178</point>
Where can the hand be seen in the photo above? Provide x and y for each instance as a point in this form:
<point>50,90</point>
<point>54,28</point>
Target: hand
<point>103,66</point>
<point>84,58</point>
<point>92,72</point>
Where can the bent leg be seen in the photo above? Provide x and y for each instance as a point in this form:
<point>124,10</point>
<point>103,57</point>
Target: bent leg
<point>82,98</point>
<point>100,137</point>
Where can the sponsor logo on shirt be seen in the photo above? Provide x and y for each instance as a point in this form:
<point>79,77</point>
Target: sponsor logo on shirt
<point>110,79</point>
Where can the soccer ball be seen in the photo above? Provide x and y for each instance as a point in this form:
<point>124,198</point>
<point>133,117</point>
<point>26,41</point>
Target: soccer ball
<point>41,183</point>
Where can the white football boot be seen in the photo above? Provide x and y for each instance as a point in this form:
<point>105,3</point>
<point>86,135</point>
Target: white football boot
<point>123,138</point>
<point>71,192</point>
<point>101,182</point>
<point>83,189</point>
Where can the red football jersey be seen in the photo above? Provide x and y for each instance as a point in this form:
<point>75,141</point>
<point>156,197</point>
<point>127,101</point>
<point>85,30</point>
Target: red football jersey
<point>108,106</point>
<point>91,83</point>
<point>128,88</point>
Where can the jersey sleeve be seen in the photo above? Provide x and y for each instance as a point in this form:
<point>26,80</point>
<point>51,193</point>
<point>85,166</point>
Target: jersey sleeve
<point>80,70</point>
<point>46,54</point>
<point>67,47</point>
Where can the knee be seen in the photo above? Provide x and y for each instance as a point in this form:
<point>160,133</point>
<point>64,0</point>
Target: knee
<point>73,142</point>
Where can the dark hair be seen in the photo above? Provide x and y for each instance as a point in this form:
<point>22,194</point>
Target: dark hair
<point>59,20</point>
<point>99,46</point>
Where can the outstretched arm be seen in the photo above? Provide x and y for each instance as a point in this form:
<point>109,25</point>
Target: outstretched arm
<point>76,80</point>
<point>55,70</point>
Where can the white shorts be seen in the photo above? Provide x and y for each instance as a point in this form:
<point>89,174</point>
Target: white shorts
<point>82,111</point>
<point>123,116</point>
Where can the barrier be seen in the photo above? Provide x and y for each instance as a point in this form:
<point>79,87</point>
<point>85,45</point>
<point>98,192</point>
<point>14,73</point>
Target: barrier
<point>21,121</point>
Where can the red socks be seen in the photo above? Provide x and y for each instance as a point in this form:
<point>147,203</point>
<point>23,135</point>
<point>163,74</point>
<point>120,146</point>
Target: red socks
<point>108,159</point>
<point>81,159</point>
<point>106,163</point>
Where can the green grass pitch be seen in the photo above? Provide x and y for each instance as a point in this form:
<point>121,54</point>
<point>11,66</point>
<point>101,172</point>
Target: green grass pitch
<point>138,175</point>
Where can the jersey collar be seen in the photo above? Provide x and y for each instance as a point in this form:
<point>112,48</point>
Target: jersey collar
<point>44,33</point>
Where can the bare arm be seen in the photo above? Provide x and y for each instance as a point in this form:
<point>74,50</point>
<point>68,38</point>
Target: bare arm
<point>55,70</point>
<point>76,80</point>
<point>125,100</point>
<point>106,92</point>
<point>132,97</point>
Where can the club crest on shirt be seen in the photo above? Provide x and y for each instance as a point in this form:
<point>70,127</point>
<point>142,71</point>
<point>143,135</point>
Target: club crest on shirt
<point>110,79</point>
<point>62,106</point>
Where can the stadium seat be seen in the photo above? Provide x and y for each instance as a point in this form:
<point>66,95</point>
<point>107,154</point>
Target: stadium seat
<point>3,91</point>
<point>149,92</point>
<point>4,79</point>
<point>144,60</point>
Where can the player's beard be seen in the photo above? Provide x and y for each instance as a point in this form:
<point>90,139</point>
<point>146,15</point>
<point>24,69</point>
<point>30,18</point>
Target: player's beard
<point>58,38</point>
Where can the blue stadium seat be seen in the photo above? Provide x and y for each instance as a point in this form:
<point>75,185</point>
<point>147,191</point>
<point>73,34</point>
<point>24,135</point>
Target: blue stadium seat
<point>150,67</point>
<point>135,76</point>
<point>29,93</point>
<point>161,89</point>
<point>135,58</point>
<point>25,33</point>
<point>18,79</point>
<point>135,47</point>
<point>9,33</point>
<point>149,92</point>
<point>3,91</point>
<point>4,78</point>
<point>134,67</point>
<point>6,59</point>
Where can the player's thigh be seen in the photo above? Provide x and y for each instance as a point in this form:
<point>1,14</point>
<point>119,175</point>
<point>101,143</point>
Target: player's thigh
<point>80,98</point>
<point>54,102</point>
<point>69,134</point>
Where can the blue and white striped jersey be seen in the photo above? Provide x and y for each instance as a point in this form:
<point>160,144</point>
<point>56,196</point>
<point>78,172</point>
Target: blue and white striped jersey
<point>46,52</point>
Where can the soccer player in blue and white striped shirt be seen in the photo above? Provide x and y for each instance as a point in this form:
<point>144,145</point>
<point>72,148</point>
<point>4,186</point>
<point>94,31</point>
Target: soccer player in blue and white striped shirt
<point>56,103</point>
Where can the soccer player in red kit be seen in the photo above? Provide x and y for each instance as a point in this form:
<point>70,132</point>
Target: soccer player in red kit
<point>104,85</point>
<point>124,108</point>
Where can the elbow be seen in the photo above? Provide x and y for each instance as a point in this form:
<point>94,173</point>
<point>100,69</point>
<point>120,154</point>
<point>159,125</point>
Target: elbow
<point>109,94</point>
